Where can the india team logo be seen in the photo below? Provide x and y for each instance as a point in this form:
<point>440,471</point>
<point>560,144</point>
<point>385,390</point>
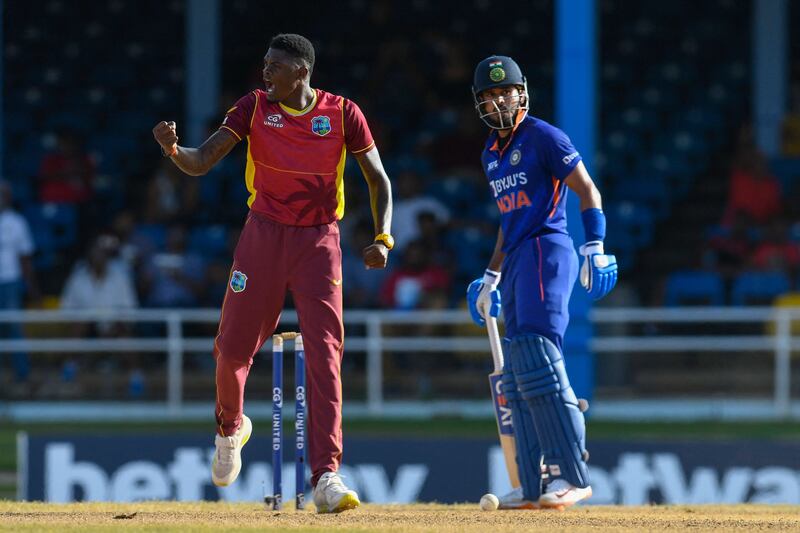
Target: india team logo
<point>321,125</point>
<point>516,155</point>
<point>496,72</point>
<point>238,281</point>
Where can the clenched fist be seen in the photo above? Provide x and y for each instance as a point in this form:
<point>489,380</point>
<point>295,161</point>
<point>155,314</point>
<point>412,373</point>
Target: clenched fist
<point>167,136</point>
<point>376,255</point>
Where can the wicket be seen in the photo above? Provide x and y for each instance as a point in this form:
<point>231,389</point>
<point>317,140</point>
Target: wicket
<point>276,500</point>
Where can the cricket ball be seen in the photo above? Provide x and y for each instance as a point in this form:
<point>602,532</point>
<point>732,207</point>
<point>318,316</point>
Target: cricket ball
<point>489,502</point>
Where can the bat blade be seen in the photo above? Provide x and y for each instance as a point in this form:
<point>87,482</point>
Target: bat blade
<point>505,428</point>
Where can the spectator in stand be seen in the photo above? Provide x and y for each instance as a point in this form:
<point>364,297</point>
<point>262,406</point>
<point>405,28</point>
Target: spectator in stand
<point>410,203</point>
<point>776,252</point>
<point>172,196</point>
<point>66,175</point>
<point>100,281</point>
<point>753,190</point>
<point>417,283</point>
<point>431,235</point>
<point>16,272</point>
<point>175,277</point>
<point>732,246</point>
<point>362,285</point>
<point>454,150</point>
<point>134,248</point>
<point>218,274</point>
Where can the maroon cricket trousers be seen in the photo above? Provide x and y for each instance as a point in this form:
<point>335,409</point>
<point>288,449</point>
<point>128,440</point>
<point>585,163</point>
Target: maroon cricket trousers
<point>270,259</point>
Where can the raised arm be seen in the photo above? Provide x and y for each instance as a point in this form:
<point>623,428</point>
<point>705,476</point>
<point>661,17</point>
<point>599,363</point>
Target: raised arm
<point>194,161</point>
<point>380,197</point>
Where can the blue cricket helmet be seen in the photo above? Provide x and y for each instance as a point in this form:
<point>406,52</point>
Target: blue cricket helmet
<point>498,71</point>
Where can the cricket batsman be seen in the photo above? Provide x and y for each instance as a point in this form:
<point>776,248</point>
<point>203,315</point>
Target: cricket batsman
<point>529,165</point>
<point>297,141</point>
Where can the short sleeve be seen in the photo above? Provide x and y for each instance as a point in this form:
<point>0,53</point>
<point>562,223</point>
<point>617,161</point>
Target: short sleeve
<point>357,136</point>
<point>239,118</point>
<point>126,294</point>
<point>70,296</point>
<point>26,245</point>
<point>562,156</point>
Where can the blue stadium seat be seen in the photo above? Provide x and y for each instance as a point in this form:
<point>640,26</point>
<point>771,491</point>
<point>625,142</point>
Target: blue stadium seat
<point>759,288</point>
<point>787,170</point>
<point>694,287</point>
<point>22,191</point>
<point>55,224</point>
<point>209,240</point>
<point>649,190</point>
<point>154,234</point>
<point>471,248</point>
<point>635,221</point>
<point>453,191</point>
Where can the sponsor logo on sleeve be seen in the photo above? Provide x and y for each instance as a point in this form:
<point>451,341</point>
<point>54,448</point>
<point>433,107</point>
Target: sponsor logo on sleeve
<point>568,159</point>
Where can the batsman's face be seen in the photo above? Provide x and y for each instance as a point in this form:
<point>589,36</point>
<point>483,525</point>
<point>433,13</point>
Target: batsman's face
<point>282,74</point>
<point>500,104</point>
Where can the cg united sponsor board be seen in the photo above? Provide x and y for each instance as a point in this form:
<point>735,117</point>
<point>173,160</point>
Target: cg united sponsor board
<point>393,470</point>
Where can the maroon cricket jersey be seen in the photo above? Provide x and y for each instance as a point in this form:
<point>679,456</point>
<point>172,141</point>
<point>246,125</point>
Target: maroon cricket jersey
<point>295,159</point>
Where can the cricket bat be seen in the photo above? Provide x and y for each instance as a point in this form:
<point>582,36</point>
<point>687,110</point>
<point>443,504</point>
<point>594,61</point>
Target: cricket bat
<point>502,410</point>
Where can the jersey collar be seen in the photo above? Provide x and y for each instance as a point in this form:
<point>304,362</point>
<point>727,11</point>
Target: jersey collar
<point>298,113</point>
<point>496,144</point>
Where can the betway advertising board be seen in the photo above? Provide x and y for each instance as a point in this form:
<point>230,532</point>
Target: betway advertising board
<point>395,470</point>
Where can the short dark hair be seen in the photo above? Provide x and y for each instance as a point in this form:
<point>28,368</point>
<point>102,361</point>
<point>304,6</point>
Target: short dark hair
<point>296,46</point>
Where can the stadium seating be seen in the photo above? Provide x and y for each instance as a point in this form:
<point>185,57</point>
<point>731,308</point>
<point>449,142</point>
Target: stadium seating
<point>759,288</point>
<point>659,129</point>
<point>209,240</point>
<point>667,99</point>
<point>694,288</point>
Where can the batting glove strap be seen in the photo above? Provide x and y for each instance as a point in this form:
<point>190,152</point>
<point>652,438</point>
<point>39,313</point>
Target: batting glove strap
<point>591,248</point>
<point>490,277</point>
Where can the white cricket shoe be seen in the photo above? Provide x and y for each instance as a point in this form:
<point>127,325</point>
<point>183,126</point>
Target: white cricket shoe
<point>332,496</point>
<point>227,461</point>
<point>516,500</point>
<point>561,494</point>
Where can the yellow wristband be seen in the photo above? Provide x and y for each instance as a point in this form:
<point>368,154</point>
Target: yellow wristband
<point>386,239</point>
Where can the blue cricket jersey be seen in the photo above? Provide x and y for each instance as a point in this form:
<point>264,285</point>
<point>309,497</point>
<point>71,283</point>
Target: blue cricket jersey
<point>526,179</point>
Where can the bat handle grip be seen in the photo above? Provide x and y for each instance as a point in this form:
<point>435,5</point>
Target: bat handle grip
<point>494,343</point>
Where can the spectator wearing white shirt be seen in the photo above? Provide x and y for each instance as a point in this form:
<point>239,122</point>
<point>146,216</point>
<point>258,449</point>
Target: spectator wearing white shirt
<point>98,282</point>
<point>407,208</point>
<point>16,272</point>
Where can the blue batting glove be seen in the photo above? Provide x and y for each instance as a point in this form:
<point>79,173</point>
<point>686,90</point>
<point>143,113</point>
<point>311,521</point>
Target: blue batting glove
<point>483,296</point>
<point>599,271</point>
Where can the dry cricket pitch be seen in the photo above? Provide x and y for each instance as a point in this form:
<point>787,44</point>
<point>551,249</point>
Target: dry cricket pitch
<point>213,516</point>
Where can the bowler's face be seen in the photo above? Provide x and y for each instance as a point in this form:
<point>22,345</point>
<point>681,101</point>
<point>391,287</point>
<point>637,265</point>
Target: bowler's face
<point>282,74</point>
